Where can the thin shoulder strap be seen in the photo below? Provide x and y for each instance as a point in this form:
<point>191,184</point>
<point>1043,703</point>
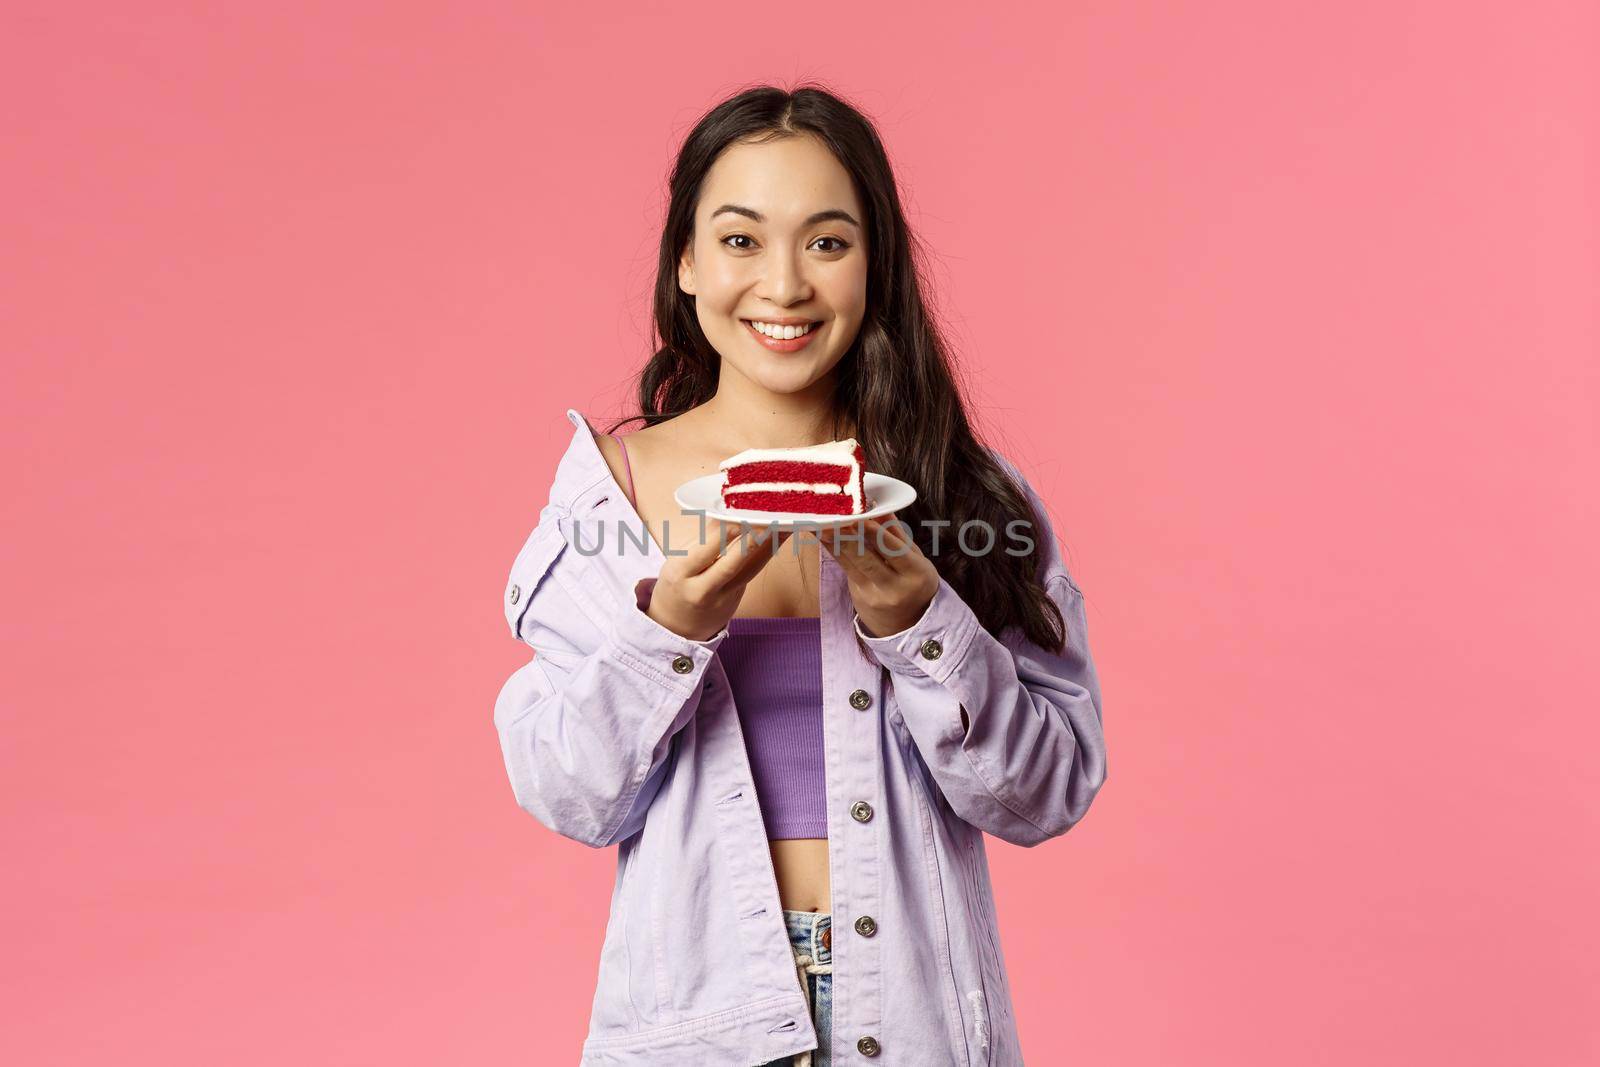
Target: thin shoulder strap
<point>627,465</point>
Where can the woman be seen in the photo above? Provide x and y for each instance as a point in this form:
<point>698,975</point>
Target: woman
<point>785,735</point>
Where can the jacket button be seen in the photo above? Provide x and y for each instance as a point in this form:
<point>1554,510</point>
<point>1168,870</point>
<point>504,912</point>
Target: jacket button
<point>866,926</point>
<point>931,649</point>
<point>515,593</point>
<point>861,811</point>
<point>867,1046</point>
<point>861,700</point>
<point>683,664</point>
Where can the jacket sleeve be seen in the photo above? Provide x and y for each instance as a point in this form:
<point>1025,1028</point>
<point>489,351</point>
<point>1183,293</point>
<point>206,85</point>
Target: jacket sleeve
<point>1030,756</point>
<point>586,725</point>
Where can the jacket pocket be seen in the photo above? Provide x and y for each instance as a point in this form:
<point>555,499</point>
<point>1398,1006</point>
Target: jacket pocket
<point>584,575</point>
<point>529,569</point>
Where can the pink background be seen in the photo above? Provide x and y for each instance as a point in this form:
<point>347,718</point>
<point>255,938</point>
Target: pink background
<point>1288,310</point>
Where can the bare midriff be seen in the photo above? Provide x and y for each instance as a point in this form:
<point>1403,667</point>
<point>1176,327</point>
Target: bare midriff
<point>801,865</point>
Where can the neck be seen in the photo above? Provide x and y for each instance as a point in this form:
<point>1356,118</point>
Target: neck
<point>751,417</point>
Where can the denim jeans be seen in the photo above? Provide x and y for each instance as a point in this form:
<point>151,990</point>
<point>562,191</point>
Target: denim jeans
<point>811,938</point>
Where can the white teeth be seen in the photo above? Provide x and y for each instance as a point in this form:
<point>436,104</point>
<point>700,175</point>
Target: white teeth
<point>781,333</point>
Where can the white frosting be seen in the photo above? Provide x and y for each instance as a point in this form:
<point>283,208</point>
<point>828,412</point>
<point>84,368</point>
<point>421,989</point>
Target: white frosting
<point>786,487</point>
<point>837,452</point>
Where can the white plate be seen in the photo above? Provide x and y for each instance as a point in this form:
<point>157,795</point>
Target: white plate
<point>884,494</point>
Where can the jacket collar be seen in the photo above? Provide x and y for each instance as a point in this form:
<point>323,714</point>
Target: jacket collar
<point>582,468</point>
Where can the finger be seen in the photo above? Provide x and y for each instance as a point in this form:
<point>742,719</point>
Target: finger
<point>761,546</point>
<point>891,539</point>
<point>759,555</point>
<point>887,546</point>
<point>887,530</point>
<point>747,552</point>
<point>724,535</point>
<point>852,545</point>
<point>714,534</point>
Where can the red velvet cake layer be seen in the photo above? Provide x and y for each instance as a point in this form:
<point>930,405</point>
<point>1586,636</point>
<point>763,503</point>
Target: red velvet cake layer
<point>784,470</point>
<point>808,503</point>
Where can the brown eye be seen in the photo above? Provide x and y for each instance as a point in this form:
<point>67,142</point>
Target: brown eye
<point>842,245</point>
<point>735,236</point>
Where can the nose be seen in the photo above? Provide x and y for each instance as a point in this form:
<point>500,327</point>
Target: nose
<point>784,282</point>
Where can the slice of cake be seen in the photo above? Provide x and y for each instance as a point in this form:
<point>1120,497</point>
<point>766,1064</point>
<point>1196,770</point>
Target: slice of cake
<point>822,479</point>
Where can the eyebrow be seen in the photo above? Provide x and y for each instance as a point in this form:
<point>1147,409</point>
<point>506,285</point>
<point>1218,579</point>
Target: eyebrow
<point>811,220</point>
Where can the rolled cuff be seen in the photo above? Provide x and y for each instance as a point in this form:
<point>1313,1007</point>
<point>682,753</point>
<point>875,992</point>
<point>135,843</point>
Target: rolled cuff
<point>655,651</point>
<point>933,646</point>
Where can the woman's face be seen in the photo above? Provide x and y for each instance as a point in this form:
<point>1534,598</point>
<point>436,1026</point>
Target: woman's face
<point>778,238</point>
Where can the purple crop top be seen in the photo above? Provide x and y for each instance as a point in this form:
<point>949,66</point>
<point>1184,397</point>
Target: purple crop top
<point>774,665</point>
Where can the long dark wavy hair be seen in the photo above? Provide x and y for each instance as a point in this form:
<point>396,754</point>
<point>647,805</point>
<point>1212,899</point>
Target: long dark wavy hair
<point>896,383</point>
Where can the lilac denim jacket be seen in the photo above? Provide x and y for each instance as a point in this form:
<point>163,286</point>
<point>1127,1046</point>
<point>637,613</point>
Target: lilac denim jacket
<point>621,732</point>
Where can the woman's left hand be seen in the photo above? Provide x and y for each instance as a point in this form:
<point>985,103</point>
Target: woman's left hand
<point>891,581</point>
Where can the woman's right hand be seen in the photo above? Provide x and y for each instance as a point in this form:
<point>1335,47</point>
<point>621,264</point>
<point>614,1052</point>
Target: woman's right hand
<point>698,592</point>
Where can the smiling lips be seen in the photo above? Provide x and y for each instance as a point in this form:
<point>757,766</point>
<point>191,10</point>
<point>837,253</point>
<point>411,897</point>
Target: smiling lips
<point>781,338</point>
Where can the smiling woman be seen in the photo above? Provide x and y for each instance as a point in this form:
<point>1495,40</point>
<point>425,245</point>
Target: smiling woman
<point>789,737</point>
